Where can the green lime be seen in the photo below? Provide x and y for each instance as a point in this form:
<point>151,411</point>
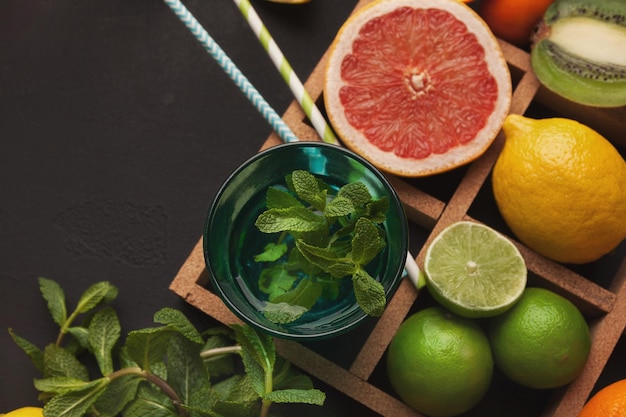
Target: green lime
<point>439,363</point>
<point>474,271</point>
<point>541,342</point>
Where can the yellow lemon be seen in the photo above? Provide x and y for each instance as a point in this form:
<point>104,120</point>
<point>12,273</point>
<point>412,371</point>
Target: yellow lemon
<point>25,412</point>
<point>561,188</point>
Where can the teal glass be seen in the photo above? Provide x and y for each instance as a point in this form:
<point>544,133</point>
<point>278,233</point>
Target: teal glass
<point>231,240</point>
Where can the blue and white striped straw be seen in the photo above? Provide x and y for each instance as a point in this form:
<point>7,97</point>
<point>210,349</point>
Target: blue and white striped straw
<point>216,52</point>
<point>286,71</point>
<point>277,123</point>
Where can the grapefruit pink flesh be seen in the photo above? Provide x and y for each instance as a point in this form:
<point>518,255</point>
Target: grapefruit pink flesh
<point>417,80</point>
<point>423,82</point>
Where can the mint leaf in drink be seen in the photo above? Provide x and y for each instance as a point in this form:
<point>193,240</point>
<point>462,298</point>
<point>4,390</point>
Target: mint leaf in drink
<point>376,210</point>
<point>293,219</point>
<point>327,259</point>
<point>339,206</point>
<point>271,252</point>
<point>305,294</point>
<point>356,192</point>
<point>308,189</point>
<point>369,293</point>
<point>323,236</point>
<point>366,242</point>
<point>276,280</point>
<point>283,313</point>
<point>280,198</point>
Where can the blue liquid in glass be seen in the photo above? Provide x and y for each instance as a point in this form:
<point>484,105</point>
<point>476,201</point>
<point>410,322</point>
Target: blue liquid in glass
<point>247,241</point>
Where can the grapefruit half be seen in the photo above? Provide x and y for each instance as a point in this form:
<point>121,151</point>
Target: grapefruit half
<point>417,87</point>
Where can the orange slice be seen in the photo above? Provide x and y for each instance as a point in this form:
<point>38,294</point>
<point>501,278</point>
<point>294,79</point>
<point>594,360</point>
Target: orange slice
<point>417,87</point>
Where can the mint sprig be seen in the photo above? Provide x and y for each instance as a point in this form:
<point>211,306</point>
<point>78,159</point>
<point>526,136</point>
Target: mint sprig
<point>170,370</point>
<point>322,237</point>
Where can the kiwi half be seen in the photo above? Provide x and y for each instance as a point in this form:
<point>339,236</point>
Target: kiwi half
<point>579,51</point>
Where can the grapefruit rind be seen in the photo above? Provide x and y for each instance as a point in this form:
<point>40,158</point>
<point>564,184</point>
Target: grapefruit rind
<point>435,163</point>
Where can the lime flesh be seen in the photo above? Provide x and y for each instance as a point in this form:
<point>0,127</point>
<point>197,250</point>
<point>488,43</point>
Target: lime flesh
<point>474,271</point>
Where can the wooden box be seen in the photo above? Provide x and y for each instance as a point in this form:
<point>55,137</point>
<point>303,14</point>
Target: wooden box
<point>357,372</point>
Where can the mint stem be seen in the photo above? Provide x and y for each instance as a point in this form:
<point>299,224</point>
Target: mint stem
<point>221,351</point>
<point>160,383</point>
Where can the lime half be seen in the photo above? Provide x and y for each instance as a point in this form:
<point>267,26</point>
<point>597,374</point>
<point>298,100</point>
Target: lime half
<point>474,271</point>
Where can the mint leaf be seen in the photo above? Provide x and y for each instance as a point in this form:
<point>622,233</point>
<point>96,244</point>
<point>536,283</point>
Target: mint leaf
<point>292,219</point>
<point>275,281</point>
<point>235,388</point>
<point>75,403</point>
<point>369,293</point>
<point>258,354</point>
<point>356,192</point>
<point>338,206</point>
<point>307,188</point>
<point>100,292</point>
<point>376,210</point>
<point>54,295</point>
<point>322,257</point>
<point>312,396</point>
<point>293,380</point>
<point>177,320</point>
<point>150,402</point>
<point>342,268</point>
<point>33,352</point>
<point>271,252</point>
<point>104,332</point>
<point>367,241</point>
<point>80,335</point>
<point>218,366</point>
<point>327,259</point>
<point>59,384</point>
<point>186,373</point>
<point>59,361</point>
<point>305,294</point>
<point>118,394</point>
<point>283,313</point>
<point>147,347</point>
<point>235,396</point>
<point>278,198</point>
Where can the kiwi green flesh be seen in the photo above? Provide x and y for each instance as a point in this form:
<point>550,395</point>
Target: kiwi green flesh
<point>578,79</point>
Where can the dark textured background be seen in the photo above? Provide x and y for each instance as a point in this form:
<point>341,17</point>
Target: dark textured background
<point>116,131</point>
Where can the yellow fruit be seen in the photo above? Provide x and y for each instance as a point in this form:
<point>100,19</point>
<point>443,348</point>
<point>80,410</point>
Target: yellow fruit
<point>543,341</point>
<point>561,188</point>
<point>439,363</point>
<point>25,412</point>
